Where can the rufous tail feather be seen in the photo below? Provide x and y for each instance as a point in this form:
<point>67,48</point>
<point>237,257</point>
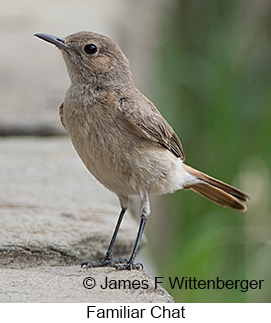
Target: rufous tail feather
<point>217,191</point>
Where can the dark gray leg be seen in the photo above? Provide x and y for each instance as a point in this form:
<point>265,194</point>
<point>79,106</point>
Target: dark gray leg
<point>130,264</point>
<point>108,259</point>
<point>145,212</point>
<point>108,255</point>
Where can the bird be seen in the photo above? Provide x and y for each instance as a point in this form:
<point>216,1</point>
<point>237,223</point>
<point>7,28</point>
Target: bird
<point>122,138</point>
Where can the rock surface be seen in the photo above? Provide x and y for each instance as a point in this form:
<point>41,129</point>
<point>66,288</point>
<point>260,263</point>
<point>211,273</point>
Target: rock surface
<point>52,211</point>
<point>53,216</point>
<point>65,284</point>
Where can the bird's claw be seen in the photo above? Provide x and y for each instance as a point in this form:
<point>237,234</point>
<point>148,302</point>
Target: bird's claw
<point>116,263</point>
<point>130,266</point>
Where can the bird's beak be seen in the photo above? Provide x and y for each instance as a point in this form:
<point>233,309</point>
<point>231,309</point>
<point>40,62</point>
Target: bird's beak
<point>57,41</point>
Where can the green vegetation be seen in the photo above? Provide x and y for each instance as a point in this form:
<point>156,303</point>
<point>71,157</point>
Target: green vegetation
<point>214,87</point>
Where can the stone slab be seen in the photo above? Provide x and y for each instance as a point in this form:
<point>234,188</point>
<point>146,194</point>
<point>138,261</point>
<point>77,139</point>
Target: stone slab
<point>65,284</point>
<point>52,211</point>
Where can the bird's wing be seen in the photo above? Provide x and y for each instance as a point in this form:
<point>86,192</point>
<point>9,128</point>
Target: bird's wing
<point>61,114</point>
<point>149,122</point>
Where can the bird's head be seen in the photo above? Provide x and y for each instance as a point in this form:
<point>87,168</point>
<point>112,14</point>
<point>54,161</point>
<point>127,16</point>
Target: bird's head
<point>92,58</point>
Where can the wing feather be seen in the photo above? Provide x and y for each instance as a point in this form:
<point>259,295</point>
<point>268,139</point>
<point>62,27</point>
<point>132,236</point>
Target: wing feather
<point>141,112</point>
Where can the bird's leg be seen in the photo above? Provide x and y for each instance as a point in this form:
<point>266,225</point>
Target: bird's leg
<point>108,255</point>
<point>145,212</point>
<point>130,263</point>
<point>108,258</point>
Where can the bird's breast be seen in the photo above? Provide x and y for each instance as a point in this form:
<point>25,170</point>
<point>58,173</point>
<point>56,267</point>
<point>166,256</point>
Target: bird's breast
<point>114,153</point>
<point>100,142</point>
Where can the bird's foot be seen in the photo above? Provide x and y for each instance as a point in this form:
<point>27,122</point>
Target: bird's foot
<point>129,266</point>
<point>119,263</point>
<point>106,262</point>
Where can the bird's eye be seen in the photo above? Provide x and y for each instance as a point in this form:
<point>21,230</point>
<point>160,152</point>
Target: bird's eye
<point>90,49</point>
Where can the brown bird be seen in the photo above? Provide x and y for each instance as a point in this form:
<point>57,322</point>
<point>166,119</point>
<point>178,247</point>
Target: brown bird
<point>122,138</point>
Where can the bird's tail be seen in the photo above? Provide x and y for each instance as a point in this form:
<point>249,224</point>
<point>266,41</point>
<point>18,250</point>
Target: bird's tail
<point>217,191</point>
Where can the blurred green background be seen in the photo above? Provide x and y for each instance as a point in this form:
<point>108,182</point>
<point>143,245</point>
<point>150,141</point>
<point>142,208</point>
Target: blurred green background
<point>213,85</point>
<point>212,64</point>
